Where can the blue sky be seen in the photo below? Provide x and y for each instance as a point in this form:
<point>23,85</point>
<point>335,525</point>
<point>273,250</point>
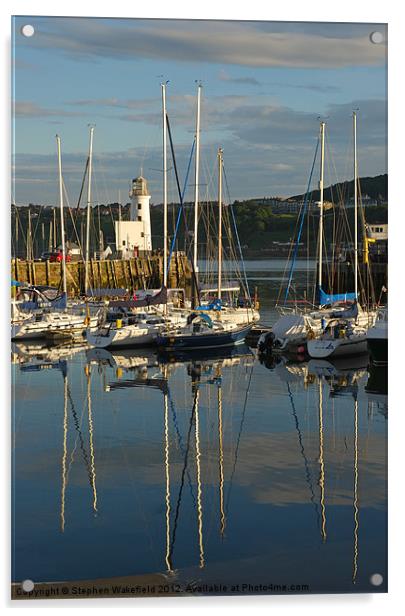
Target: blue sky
<point>264,86</point>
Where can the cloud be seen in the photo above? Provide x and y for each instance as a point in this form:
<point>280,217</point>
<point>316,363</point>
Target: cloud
<point>29,109</point>
<point>244,43</point>
<point>268,148</point>
<point>223,76</point>
<point>115,102</point>
<point>314,87</point>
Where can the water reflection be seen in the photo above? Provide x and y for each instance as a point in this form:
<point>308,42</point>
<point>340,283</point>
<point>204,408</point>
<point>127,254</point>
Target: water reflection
<point>207,467</point>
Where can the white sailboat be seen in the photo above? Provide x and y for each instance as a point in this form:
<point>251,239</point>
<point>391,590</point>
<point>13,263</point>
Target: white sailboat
<point>340,338</point>
<point>343,337</point>
<point>202,331</point>
<point>54,323</point>
<point>133,328</point>
<point>231,313</point>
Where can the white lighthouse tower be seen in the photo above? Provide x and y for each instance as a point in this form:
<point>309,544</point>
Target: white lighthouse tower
<point>134,236</point>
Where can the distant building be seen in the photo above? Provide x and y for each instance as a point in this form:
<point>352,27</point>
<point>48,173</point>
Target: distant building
<point>377,242</point>
<point>377,231</point>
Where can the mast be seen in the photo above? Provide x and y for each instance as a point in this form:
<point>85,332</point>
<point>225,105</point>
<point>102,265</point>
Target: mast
<point>164,118</point>
<point>321,174</point>
<point>55,239</point>
<point>87,254</point>
<point>50,244</point>
<point>62,224</point>
<point>220,152</point>
<point>119,218</point>
<point>197,178</point>
<point>355,203</point>
<point>29,251</point>
<point>17,224</point>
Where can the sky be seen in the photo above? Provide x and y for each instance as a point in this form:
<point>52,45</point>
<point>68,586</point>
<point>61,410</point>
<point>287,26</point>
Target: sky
<point>265,86</point>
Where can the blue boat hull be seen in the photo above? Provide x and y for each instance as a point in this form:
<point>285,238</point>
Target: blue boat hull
<point>209,340</point>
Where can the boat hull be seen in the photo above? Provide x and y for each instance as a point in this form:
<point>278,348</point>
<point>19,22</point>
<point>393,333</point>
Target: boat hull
<point>210,340</point>
<point>126,337</point>
<point>321,349</point>
<point>36,330</point>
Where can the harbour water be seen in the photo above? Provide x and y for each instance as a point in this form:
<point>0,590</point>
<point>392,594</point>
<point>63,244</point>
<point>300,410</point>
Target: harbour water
<point>212,470</point>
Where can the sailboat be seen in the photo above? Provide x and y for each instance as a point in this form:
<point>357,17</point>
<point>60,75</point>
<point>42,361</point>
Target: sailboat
<point>202,331</point>
<point>343,337</point>
<point>238,312</point>
<point>55,323</point>
<point>126,325</point>
<point>291,331</point>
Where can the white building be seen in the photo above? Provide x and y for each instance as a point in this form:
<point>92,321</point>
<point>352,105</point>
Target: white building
<point>377,231</point>
<point>134,236</point>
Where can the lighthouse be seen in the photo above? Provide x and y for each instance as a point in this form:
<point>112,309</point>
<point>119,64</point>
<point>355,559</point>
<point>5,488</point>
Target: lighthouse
<point>134,236</point>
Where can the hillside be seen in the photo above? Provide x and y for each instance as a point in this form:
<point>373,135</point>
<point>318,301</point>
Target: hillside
<point>375,187</point>
<point>262,229</point>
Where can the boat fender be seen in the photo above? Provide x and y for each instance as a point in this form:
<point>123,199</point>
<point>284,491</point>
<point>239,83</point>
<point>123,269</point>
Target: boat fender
<point>118,323</point>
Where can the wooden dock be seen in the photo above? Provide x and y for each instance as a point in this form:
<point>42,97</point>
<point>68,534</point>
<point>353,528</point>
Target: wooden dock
<point>132,274</point>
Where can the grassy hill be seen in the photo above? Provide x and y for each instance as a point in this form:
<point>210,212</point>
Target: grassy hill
<point>375,187</point>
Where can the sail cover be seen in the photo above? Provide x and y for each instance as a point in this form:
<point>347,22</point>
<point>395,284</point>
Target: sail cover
<point>326,299</point>
<point>148,300</point>
<point>215,305</point>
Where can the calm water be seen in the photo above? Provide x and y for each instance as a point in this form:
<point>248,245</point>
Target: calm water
<point>217,469</point>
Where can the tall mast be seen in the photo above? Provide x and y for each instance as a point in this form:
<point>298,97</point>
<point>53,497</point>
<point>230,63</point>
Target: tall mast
<point>197,178</point>
<point>17,224</point>
<point>356,252</point>
<point>29,251</point>
<point>220,152</point>
<point>163,86</point>
<point>87,254</point>
<point>321,174</point>
<point>62,224</point>
<point>55,239</point>
<point>119,218</point>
